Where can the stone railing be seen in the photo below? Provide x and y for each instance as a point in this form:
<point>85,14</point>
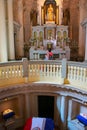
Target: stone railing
<point>77,74</point>
<point>57,72</point>
<point>11,72</point>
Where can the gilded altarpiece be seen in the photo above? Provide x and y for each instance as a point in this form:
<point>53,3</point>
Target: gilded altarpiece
<point>50,14</point>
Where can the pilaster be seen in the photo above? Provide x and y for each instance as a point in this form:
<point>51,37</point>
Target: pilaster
<point>63,112</point>
<point>11,50</point>
<point>3,37</point>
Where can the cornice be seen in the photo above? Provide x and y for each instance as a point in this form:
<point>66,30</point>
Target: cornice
<point>42,88</point>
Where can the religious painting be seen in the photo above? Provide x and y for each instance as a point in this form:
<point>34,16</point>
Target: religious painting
<point>41,37</point>
<point>50,33</point>
<point>35,35</point>
<point>64,34</point>
<point>59,36</point>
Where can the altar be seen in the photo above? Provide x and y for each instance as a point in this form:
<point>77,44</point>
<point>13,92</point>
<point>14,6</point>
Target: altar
<point>58,53</point>
<point>49,35</point>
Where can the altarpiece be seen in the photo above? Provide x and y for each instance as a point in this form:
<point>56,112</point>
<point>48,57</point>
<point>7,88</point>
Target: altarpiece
<point>49,34</point>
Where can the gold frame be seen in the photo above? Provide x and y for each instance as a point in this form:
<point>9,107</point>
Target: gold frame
<point>57,15</point>
<point>42,15</point>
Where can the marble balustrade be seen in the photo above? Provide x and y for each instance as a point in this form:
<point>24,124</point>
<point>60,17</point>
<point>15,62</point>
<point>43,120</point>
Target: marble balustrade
<point>44,71</point>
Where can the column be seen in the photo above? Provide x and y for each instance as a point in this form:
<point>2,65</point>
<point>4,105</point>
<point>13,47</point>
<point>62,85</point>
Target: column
<point>27,106</point>
<point>81,34</point>
<point>3,40</point>
<point>20,40</point>
<point>11,50</point>
<point>70,110</point>
<point>20,105</point>
<point>86,45</point>
<point>61,12</point>
<point>63,112</point>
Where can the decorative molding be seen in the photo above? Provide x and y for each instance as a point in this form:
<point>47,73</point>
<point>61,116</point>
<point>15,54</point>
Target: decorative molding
<point>52,89</point>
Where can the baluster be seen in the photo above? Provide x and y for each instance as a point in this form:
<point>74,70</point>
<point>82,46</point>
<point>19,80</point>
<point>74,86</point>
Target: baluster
<point>81,74</point>
<point>4,72</point>
<point>10,71</point>
<point>33,69</point>
<point>17,71</point>
<point>60,70</point>
<point>21,72</point>
<point>44,69</point>
<point>84,74</point>
<point>78,73</point>
<point>30,70</point>
<point>76,76</point>
<point>13,71</point>
<point>53,70</point>
<point>37,69</point>
<point>47,70</point>
<point>74,72</point>
<point>41,68</point>
<point>50,70</point>
<point>68,72</point>
<point>1,72</point>
<point>56,70</point>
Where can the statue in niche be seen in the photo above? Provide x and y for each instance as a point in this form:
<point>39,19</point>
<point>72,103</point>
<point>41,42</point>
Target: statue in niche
<point>33,17</point>
<point>66,17</point>
<point>50,13</point>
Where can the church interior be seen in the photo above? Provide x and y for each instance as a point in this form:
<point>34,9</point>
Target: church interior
<point>33,86</point>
